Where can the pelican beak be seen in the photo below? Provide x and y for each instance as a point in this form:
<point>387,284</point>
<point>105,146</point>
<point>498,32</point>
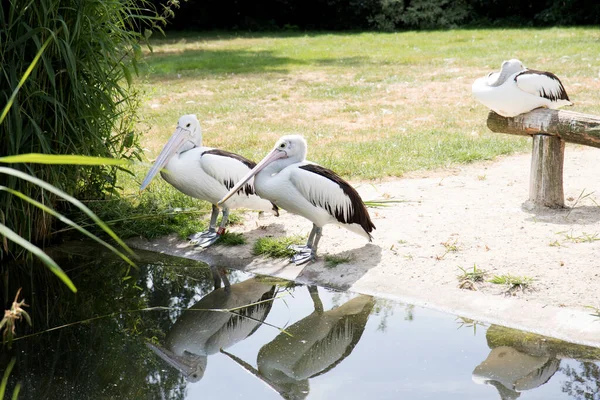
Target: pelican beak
<point>178,138</point>
<point>275,154</point>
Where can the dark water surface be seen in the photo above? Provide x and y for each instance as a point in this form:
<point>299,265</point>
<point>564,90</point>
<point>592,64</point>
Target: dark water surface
<point>153,338</point>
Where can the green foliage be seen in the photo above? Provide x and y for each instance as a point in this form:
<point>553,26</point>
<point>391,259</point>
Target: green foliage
<point>76,100</point>
<point>332,260</point>
<point>276,247</point>
<point>232,239</point>
<point>513,282</point>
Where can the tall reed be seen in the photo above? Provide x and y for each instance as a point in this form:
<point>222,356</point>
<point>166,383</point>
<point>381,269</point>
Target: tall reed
<point>78,99</point>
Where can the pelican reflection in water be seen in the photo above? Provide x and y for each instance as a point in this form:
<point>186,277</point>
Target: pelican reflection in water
<point>514,370</point>
<point>198,332</point>
<point>315,345</point>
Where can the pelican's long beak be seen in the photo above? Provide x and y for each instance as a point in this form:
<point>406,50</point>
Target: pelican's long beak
<point>178,138</point>
<point>275,154</point>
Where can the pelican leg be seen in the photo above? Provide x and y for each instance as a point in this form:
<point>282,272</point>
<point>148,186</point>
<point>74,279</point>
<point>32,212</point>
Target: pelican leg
<point>307,253</point>
<point>210,239</point>
<point>196,237</point>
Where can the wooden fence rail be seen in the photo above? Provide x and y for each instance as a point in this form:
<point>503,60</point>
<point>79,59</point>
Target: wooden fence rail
<point>550,130</point>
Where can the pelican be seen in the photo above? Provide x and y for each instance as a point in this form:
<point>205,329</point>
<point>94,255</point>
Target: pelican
<point>516,90</point>
<point>206,174</point>
<point>310,347</point>
<point>307,189</point>
<point>200,332</point>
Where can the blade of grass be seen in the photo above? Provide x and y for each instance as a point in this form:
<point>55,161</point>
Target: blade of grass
<point>36,251</point>
<point>7,372</point>
<point>32,65</point>
<point>67,221</point>
<point>38,158</point>
<point>71,199</point>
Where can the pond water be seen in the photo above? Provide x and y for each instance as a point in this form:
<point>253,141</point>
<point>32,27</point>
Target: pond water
<point>149,334</point>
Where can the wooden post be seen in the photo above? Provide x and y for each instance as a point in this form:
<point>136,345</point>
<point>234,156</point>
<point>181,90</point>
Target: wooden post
<point>550,130</point>
<point>546,174</point>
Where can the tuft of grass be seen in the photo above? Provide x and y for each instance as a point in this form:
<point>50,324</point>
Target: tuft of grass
<point>276,247</point>
<point>467,279</point>
<point>513,282</point>
<point>332,261</point>
<point>232,239</point>
<point>583,238</point>
<point>450,247</point>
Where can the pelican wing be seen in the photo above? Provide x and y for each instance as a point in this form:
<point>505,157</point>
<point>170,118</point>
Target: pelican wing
<point>543,84</point>
<point>325,189</point>
<point>228,168</point>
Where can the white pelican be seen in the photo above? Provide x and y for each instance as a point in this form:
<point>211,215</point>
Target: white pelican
<point>206,174</point>
<point>516,90</point>
<point>200,332</point>
<point>307,189</point>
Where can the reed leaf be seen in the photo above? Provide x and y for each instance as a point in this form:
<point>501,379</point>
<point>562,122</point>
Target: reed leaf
<point>67,221</point>
<point>71,199</point>
<point>61,159</point>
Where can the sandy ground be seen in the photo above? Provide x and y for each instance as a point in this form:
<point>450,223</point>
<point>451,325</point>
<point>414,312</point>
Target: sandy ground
<point>473,215</point>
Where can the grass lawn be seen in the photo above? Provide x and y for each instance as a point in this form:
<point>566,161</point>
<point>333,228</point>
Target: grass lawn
<point>371,105</point>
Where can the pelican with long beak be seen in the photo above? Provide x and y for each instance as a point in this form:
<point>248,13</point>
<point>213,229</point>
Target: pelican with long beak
<point>206,174</point>
<point>307,189</point>
<point>516,90</point>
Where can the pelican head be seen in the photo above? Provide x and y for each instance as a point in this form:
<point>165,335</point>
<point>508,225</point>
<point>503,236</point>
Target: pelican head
<point>507,69</point>
<point>289,149</point>
<point>187,135</point>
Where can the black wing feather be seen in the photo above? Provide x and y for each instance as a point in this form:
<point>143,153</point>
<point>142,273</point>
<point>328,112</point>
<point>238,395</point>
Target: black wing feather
<point>359,214</point>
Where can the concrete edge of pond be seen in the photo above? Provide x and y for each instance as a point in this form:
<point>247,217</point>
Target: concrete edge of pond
<point>576,325</point>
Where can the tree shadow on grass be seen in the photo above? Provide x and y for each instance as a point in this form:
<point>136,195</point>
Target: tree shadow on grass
<point>203,62</point>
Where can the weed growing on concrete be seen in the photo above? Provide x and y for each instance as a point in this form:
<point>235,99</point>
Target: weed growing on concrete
<point>231,239</point>
<point>276,247</point>
<point>332,261</point>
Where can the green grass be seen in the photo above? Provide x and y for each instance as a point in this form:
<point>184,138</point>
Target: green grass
<point>332,261</point>
<point>231,239</point>
<point>371,105</point>
<point>276,247</point>
<point>513,282</point>
<point>467,279</point>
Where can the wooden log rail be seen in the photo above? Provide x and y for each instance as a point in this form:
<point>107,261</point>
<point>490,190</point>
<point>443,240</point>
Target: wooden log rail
<point>550,130</point>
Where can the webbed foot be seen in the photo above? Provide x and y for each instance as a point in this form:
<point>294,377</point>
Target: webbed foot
<point>303,254</point>
<point>195,238</point>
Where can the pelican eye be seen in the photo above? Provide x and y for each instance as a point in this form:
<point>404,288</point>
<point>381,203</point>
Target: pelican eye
<point>188,125</point>
<point>282,146</point>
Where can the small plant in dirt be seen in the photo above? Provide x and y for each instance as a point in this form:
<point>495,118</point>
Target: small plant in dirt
<point>276,247</point>
<point>232,239</point>
<point>513,282</point>
<point>450,246</point>
<point>468,278</point>
<point>332,261</point>
<point>583,238</point>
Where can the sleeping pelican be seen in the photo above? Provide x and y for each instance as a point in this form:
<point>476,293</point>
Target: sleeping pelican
<point>206,174</point>
<point>307,189</point>
<point>516,90</point>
